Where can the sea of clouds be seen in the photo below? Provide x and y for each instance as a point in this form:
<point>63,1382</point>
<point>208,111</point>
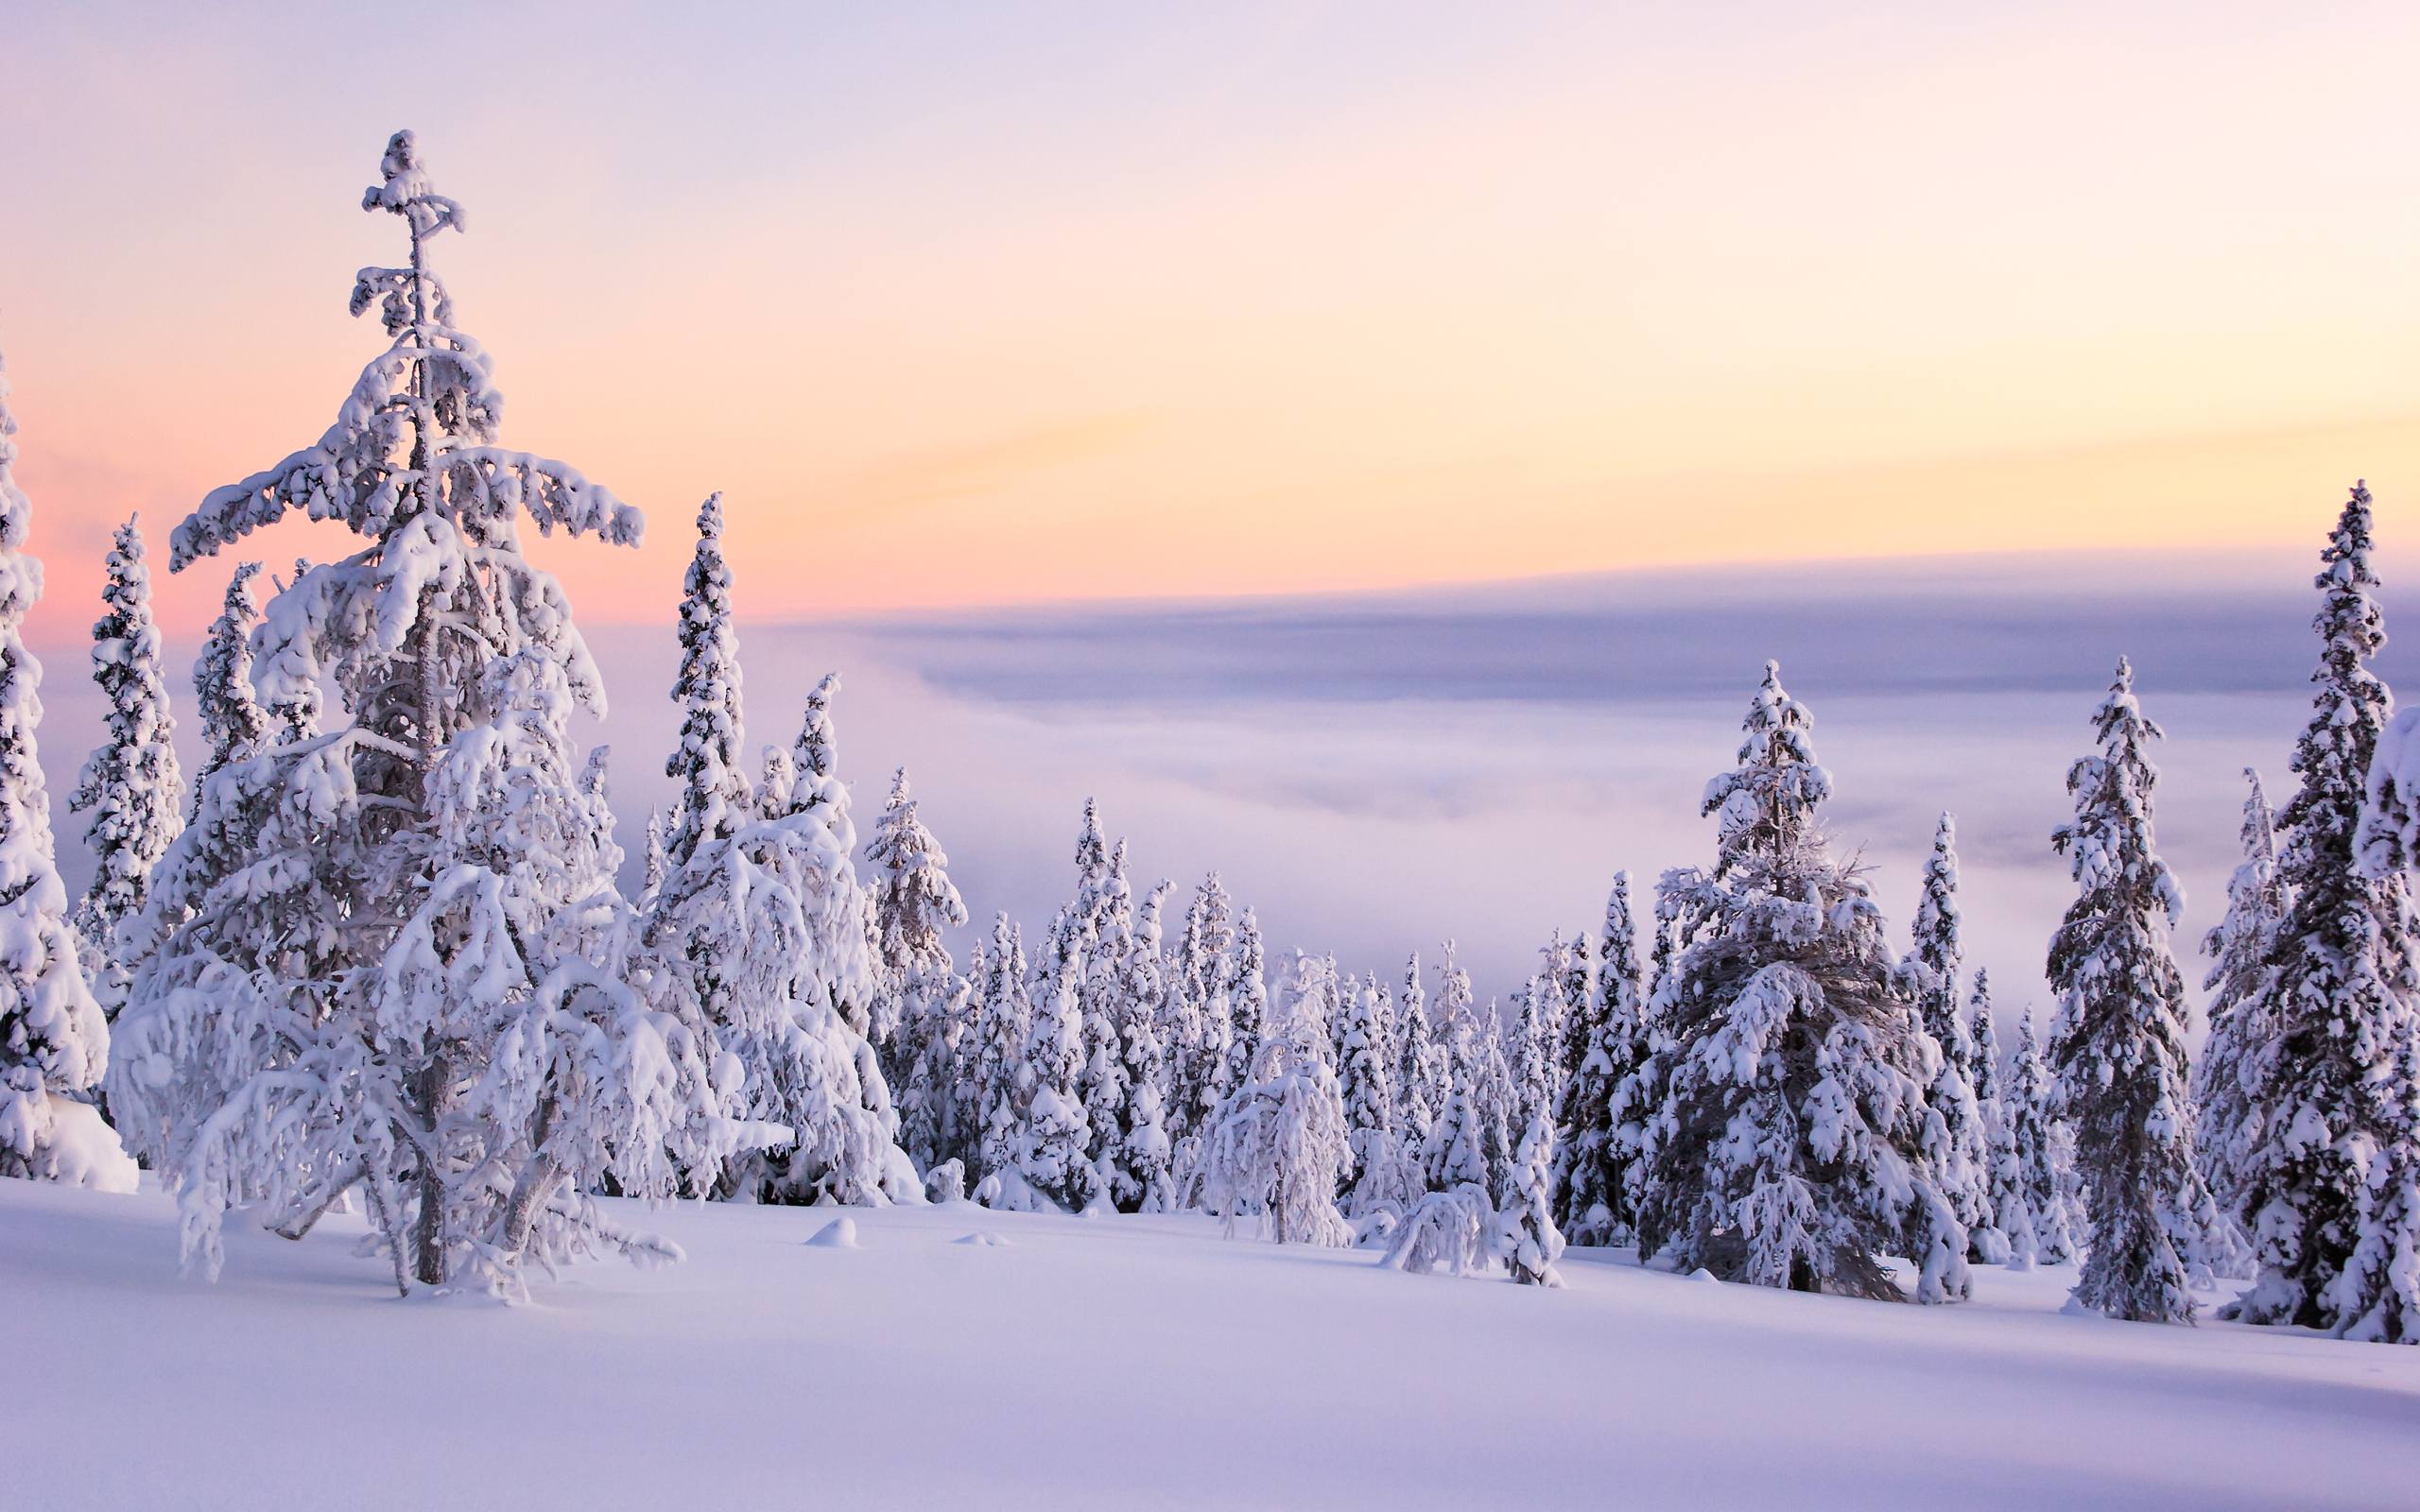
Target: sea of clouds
<point>1376,773</point>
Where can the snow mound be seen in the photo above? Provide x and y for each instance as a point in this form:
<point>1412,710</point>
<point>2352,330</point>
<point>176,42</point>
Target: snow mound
<point>984,1237</point>
<point>1701,1274</point>
<point>840,1234</point>
<point>84,1151</point>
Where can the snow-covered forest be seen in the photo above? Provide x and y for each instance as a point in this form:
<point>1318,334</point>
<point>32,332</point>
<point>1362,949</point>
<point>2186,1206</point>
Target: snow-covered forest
<point>375,983</point>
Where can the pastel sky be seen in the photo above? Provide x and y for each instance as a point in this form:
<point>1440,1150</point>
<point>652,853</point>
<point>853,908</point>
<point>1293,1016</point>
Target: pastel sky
<point>1001,304</point>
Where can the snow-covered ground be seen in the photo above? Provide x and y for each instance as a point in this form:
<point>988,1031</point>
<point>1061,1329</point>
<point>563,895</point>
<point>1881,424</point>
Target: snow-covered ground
<point>1124,1363</point>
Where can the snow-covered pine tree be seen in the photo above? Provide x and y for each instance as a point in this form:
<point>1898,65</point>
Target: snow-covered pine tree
<point>2338,997</point>
<point>1196,1034</point>
<point>1793,1145</point>
<point>2238,946</point>
<point>1527,1235</point>
<point>54,1040</point>
<point>2034,1136</point>
<point>1542,1021</point>
<point>1105,901</point>
<point>1278,1147</point>
<point>1054,1136</point>
<point>999,1080</point>
<point>1496,1097</point>
<point>2118,1045</point>
<point>235,726</point>
<point>915,905</point>
<point>654,863</point>
<point>396,960</point>
<point>131,784</point>
<point>1600,1122</point>
<point>2003,1177</point>
<point>1145,1166</point>
<point>714,797</point>
<point>1933,967</point>
<point>1422,1069</point>
<point>1244,992</point>
<point>2378,1294</point>
<point>1366,1082</point>
<point>1529,1050</point>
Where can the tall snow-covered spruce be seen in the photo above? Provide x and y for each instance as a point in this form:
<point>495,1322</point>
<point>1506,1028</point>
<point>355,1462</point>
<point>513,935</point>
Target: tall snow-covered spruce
<point>131,784</point>
<point>2118,1045</point>
<point>1793,1145</point>
<point>2239,1037</point>
<point>1933,967</point>
<point>392,955</point>
<point>54,1041</point>
<point>2322,1162</point>
<point>235,726</point>
<point>1600,1122</point>
<point>915,905</point>
<point>712,799</point>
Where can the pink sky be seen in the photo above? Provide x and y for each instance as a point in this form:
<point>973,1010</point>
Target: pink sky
<point>1068,302</point>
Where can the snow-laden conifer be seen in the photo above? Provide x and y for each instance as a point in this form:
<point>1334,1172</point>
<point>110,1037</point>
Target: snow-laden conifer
<point>999,1080</point>
<point>1278,1148</point>
<point>2239,1037</point>
<point>1528,1238</point>
<point>915,905</point>
<point>1105,901</point>
<point>54,1041</point>
<point>712,799</point>
<point>2004,1194</point>
<point>2035,1138</point>
<point>398,964</point>
<point>1198,1015</point>
<point>1243,991</point>
<point>235,726</point>
<point>1366,1081</point>
<point>1421,1069</point>
<point>1932,968</point>
<point>1143,1173</point>
<point>2331,1103</point>
<point>1055,1135</point>
<point>1792,1144</point>
<point>2118,1045</point>
<point>131,784</point>
<point>1599,1121</point>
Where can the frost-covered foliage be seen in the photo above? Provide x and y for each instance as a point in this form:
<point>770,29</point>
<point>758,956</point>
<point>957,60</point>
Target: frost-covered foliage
<point>54,1041</point>
<point>915,904</point>
<point>714,797</point>
<point>1600,1122</point>
<point>2240,1036</point>
<point>391,956</point>
<point>235,726</point>
<point>2322,1162</point>
<point>131,784</point>
<point>1933,967</point>
<point>1054,1133</point>
<point>1198,1015</point>
<point>1792,1144</point>
<point>1278,1148</point>
<point>1452,1231</point>
<point>2118,1045</point>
